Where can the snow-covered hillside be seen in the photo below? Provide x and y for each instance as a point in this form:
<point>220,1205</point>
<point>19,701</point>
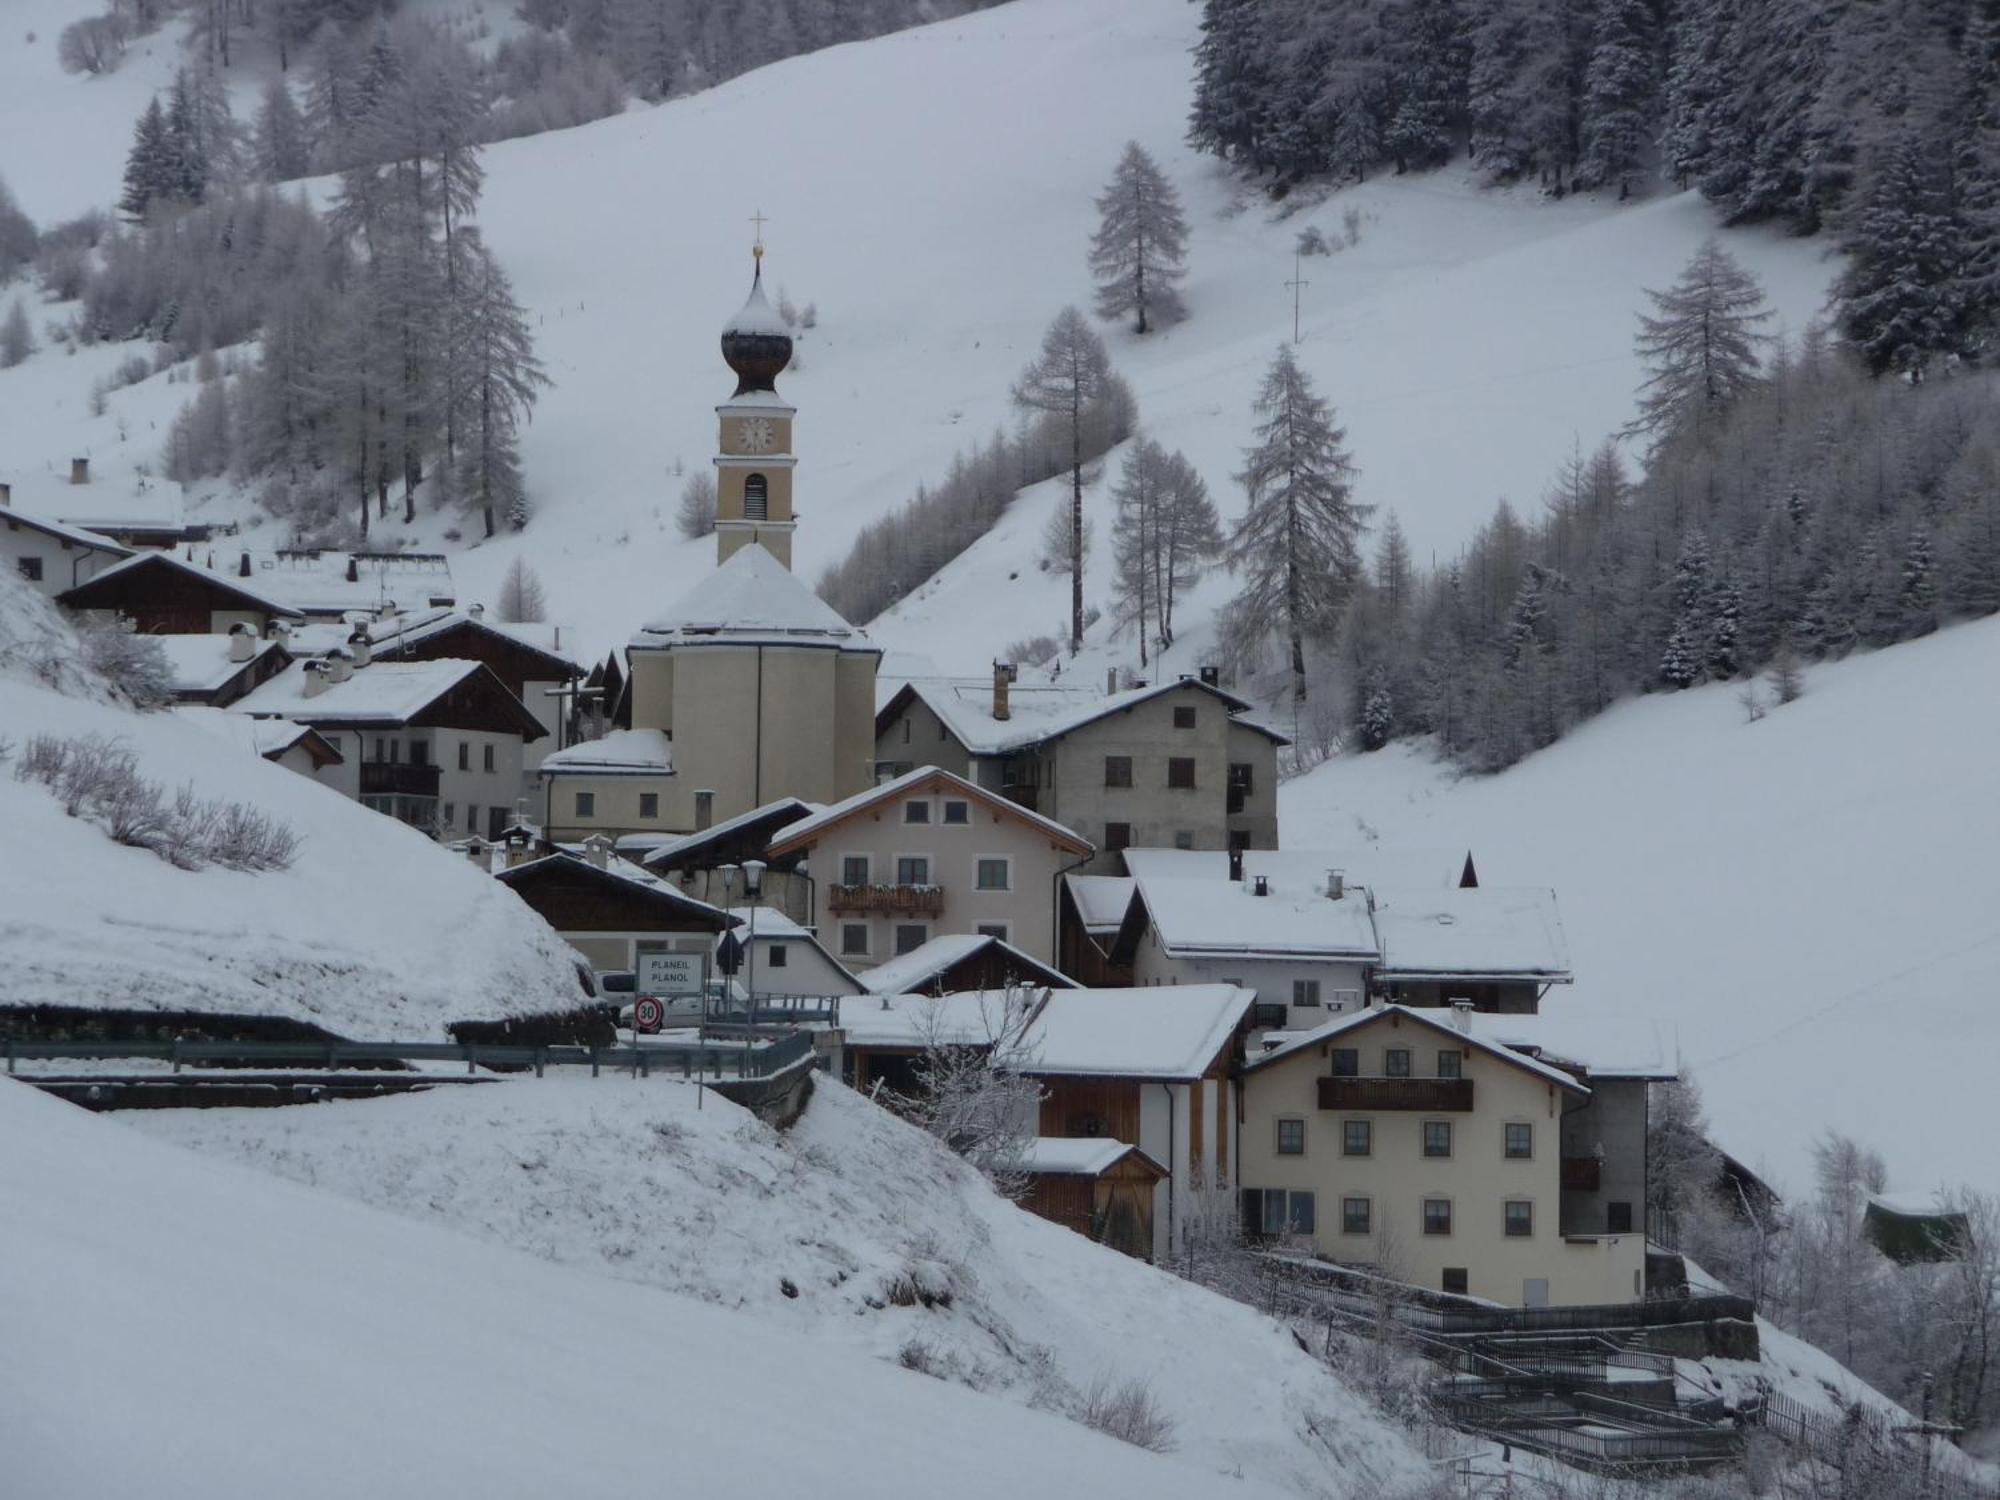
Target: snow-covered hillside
<point>348,938</point>
<point>1809,897</point>
<point>839,1231</point>
<point>184,1327</point>
<point>932,193</point>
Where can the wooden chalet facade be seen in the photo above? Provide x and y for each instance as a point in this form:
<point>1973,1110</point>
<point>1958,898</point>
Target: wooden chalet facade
<point>1104,1191</point>
<point>613,912</point>
<point>161,595</point>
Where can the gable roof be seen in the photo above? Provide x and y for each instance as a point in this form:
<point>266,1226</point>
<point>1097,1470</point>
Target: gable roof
<point>200,664</point>
<point>807,829</point>
<point>1169,1033</point>
<point>1101,901</point>
<point>1080,1156</point>
<point>622,752</point>
<point>128,573</point>
<point>620,875</point>
<point>384,693</point>
<point>1601,1045</point>
<point>267,738</point>
<point>752,599</point>
<point>1474,933</point>
<point>1371,865</point>
<point>1358,1020</point>
<point>1039,712</point>
<point>401,632</point>
<point>1221,917</point>
<point>781,813</point>
<point>774,925</point>
<point>64,531</point>
<point>316,580</point>
<point>909,973</point>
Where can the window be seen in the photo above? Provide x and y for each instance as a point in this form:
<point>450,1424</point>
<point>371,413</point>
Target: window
<point>958,812</point>
<point>382,751</point>
<point>486,755</point>
<point>1617,1218</point>
<point>1304,1214</point>
<point>472,817</point>
<point>1281,1212</point>
<point>1117,836</point>
<point>1451,1064</point>
<point>1184,716</point>
<point>450,814</point>
<point>854,869</point>
<point>777,956</point>
<point>1346,1062</point>
<point>993,875</point>
<point>420,753</point>
<point>1456,1280</point>
<point>649,804</point>
<point>1437,1137</point>
<point>1520,1219</point>
<point>1520,1142</point>
<point>1180,772</point>
<point>992,930</point>
<point>916,812</point>
<point>1305,992</point>
<point>1356,1215</point>
<point>586,804</point>
<point>31,568</point>
<point>1437,1216</point>
<point>1396,1062</point>
<point>913,869</point>
<point>911,936</point>
<point>1183,840</point>
<point>854,939</point>
<point>1241,777</point>
<point>906,731</point>
<point>1291,1137</point>
<point>756,497</point>
<point>1357,1137</point>
<point>1117,770</point>
<point>704,809</point>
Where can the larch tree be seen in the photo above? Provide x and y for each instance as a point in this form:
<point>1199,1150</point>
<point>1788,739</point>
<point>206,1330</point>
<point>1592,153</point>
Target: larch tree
<point>1702,349</point>
<point>1071,372</point>
<point>283,149</point>
<point>500,378</point>
<point>1297,548</point>
<point>1190,536</point>
<point>522,598</point>
<point>1135,578</point>
<point>1139,252</point>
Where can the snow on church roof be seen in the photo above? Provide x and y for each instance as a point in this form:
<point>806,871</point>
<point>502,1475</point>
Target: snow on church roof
<point>753,599</point>
<point>757,316</point>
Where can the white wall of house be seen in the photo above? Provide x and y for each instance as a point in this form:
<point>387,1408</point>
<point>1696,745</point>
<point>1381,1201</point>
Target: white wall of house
<point>467,795</point>
<point>803,969</point>
<point>1341,984</point>
<point>50,564</point>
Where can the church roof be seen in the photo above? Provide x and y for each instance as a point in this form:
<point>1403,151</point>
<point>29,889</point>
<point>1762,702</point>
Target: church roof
<point>757,315</point>
<point>752,599</point>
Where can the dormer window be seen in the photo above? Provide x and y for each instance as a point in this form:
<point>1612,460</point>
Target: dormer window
<point>756,497</point>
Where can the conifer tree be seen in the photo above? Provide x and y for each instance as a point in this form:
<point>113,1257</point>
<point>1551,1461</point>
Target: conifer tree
<point>1430,83</point>
<point>1895,298</point>
<point>283,151</point>
<point>1618,93</point>
<point>1297,547</point>
<point>1190,536</point>
<point>17,339</point>
<point>152,168</point>
<point>1702,348</point>
<point>1139,251</point>
<point>1072,371</point>
<point>501,380</point>
<point>1232,82</point>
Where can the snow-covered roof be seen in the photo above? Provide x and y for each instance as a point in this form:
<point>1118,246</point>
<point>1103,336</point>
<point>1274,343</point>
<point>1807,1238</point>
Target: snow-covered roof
<point>261,737</point>
<point>1305,869</point>
<point>1606,1044</point>
<point>201,664</point>
<point>794,835</point>
<point>1101,900</point>
<point>251,589</point>
<point>971,1018</point>
<point>1479,932</point>
<point>414,627</point>
<point>1042,711</point>
<point>772,921</point>
<point>614,869</point>
<point>64,531</point>
<point>667,849</point>
<point>1078,1156</point>
<point>1920,1205</point>
<point>908,973</point>
<point>1166,1032</point>
<point>757,316</point>
<point>389,692</point>
<point>317,582</point>
<point>1439,1021</point>
<point>622,752</point>
<point>751,599</point>
<point>1205,915</point>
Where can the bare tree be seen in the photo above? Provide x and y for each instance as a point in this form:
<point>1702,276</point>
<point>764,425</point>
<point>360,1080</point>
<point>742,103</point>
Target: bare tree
<point>1067,376</point>
<point>971,1091</point>
<point>696,515</point>
<point>522,599</point>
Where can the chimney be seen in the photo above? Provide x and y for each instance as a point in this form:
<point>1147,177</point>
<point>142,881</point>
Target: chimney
<point>597,849</point>
<point>388,610</point>
<point>478,851</point>
<point>315,678</point>
<point>353,572</point>
<point>1260,885</point>
<point>477,611</point>
<point>339,666</point>
<point>1236,865</point>
<point>358,646</point>
<point>1003,677</point>
<point>1336,884</point>
<point>242,643</point>
<point>1211,677</point>
<point>1110,679</point>
<point>243,566</point>
<point>278,631</point>
<point>79,471</point>
<point>1461,1016</point>
<point>6,494</point>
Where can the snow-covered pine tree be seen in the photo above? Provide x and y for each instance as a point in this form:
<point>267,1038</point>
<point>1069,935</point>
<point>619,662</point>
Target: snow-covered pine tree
<point>18,237</point>
<point>1701,351</point>
<point>1071,372</point>
<point>1429,81</point>
<point>1920,588</point>
<point>1297,547</point>
<point>17,339</point>
<point>283,150</point>
<point>1896,297</point>
<point>502,379</point>
<point>152,167</point>
<point>1139,252</point>
<point>1233,86</point>
<point>1618,92</point>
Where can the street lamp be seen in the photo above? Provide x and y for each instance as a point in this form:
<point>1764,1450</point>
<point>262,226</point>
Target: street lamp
<point>753,887</point>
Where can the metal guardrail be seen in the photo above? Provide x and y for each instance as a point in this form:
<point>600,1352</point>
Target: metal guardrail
<point>723,1062</point>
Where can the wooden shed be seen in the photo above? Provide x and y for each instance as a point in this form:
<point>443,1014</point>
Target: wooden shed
<point>1102,1189</point>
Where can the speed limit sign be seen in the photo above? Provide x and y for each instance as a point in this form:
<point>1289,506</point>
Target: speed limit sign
<point>648,1014</point>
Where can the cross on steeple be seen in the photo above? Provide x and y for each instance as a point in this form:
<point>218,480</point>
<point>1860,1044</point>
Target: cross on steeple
<point>758,219</point>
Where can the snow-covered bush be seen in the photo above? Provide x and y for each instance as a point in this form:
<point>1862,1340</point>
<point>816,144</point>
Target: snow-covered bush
<point>134,664</point>
<point>93,45</point>
<point>696,515</point>
<point>1129,1411</point>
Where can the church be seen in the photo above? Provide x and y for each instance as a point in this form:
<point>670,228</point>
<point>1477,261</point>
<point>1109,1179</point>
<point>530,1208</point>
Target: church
<point>750,688</point>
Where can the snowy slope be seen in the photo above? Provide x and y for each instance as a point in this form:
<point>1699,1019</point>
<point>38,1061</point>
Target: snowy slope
<point>348,938</point>
<point>631,1180</point>
<point>183,1327</point>
<point>931,192</point>
<point>1810,897</point>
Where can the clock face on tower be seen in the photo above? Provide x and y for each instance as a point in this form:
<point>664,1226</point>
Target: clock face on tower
<point>755,434</point>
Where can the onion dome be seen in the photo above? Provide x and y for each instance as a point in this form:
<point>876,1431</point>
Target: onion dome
<point>756,344</point>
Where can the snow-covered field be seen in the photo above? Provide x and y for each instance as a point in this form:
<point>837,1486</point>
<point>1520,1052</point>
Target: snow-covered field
<point>932,193</point>
<point>185,1327</point>
<point>1810,898</point>
<point>348,938</point>
<point>825,1232</point>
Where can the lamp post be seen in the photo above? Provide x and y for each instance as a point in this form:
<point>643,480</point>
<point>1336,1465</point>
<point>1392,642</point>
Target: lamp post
<point>728,873</point>
<point>753,887</point>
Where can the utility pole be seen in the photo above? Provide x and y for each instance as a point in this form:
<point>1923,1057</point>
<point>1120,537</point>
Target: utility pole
<point>1298,283</point>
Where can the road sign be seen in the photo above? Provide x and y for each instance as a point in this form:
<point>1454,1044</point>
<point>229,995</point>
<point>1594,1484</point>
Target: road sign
<point>728,954</point>
<point>648,1014</point>
<point>670,975</point>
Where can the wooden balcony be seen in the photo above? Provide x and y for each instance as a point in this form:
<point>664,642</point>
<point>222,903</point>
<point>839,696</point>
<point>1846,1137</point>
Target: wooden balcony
<point>383,778</point>
<point>1430,1095</point>
<point>1581,1174</point>
<point>893,900</point>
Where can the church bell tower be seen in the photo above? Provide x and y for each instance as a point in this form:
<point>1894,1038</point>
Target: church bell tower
<point>753,461</point>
